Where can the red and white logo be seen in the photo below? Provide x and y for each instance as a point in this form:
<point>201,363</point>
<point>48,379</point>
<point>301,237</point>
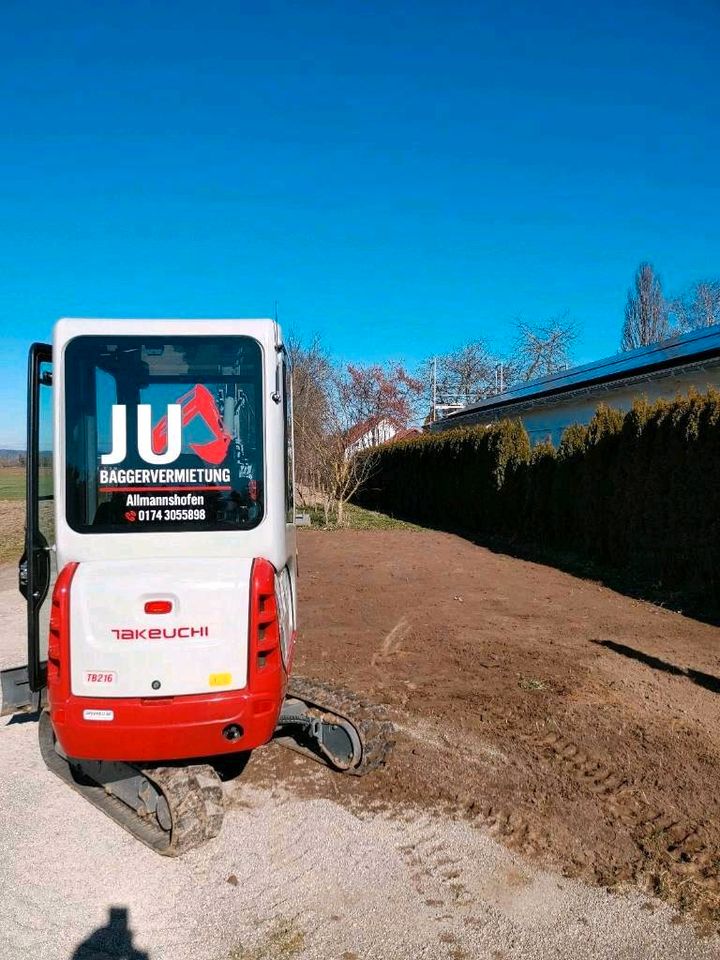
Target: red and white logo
<point>162,444</point>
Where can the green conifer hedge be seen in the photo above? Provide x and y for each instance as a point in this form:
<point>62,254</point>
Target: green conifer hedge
<point>637,492</point>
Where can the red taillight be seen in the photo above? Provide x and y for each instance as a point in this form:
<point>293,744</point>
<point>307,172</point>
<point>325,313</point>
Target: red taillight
<point>264,646</point>
<point>59,633</point>
<point>158,606</point>
<point>267,678</point>
<point>264,626</point>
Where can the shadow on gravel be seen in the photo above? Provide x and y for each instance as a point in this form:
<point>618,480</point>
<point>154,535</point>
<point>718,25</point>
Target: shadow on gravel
<point>706,680</point>
<point>114,940</point>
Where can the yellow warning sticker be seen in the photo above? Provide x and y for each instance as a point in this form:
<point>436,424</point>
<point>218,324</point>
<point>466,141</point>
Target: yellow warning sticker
<point>220,679</point>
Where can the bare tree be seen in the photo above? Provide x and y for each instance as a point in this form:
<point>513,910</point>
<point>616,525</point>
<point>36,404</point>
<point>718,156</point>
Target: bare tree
<point>699,307</point>
<point>646,313</point>
<point>312,376</point>
<point>464,376</point>
<point>328,402</point>
<point>340,475</point>
<point>541,349</point>
<point>363,398</point>
<point>473,372</point>
<point>375,392</point>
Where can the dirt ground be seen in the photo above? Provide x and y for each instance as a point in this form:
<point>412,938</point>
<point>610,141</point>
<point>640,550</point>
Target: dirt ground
<point>336,876</point>
<point>581,727</point>
<point>545,726</point>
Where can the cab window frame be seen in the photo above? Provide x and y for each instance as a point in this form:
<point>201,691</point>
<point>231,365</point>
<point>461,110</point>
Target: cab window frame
<point>75,514</point>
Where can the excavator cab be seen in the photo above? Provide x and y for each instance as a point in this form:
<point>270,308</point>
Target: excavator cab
<point>159,571</point>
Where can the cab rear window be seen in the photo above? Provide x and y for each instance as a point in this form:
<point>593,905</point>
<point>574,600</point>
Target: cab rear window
<point>163,433</point>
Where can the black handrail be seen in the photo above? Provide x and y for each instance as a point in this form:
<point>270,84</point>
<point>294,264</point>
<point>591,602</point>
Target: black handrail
<point>35,545</point>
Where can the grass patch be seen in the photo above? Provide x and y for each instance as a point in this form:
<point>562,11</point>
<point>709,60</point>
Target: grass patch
<point>358,518</point>
<point>284,940</point>
<point>12,483</point>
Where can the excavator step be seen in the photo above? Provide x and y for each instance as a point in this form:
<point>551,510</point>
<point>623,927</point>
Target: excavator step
<point>16,694</point>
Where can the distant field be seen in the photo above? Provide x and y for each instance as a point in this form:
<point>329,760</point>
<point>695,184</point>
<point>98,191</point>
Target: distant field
<point>12,513</point>
<point>12,522</point>
<point>12,483</point>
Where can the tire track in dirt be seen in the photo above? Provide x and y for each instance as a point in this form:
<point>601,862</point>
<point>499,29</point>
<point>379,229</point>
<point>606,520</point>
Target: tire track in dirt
<point>624,794</point>
<point>674,859</point>
<point>435,874</point>
<point>677,864</point>
<point>664,852</point>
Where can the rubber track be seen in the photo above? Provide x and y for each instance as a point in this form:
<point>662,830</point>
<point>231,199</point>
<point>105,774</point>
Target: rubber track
<point>374,728</point>
<point>194,796</point>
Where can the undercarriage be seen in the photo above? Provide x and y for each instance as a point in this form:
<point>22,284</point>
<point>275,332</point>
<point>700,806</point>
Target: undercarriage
<point>174,807</point>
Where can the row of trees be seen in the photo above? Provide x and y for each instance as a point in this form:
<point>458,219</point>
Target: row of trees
<point>475,371</point>
<point>337,404</point>
<point>636,492</point>
<point>651,317</point>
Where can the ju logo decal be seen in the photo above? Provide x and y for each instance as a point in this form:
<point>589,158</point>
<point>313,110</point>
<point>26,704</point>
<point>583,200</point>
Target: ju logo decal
<point>162,444</point>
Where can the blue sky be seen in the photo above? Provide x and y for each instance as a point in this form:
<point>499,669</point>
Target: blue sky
<point>400,177</point>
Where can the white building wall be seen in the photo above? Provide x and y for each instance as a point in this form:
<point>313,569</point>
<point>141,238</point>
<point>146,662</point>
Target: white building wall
<point>548,418</point>
<point>380,433</point>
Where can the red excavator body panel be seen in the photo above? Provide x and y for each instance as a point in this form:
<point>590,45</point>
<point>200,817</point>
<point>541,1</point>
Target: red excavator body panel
<point>155,729</point>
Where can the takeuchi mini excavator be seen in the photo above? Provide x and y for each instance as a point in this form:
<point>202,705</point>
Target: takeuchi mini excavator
<point>159,572</point>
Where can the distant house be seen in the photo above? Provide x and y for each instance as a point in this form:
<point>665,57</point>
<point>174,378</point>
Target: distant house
<point>407,432</point>
<point>550,404</point>
<point>373,432</point>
